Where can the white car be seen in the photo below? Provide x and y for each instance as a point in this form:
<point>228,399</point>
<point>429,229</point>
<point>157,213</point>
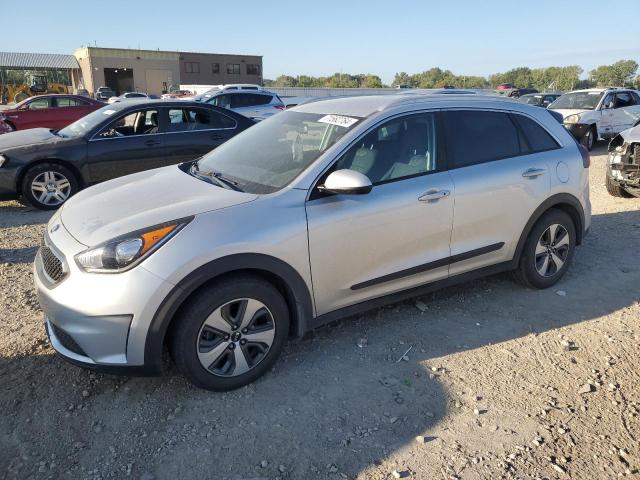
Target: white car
<point>128,96</point>
<point>598,113</point>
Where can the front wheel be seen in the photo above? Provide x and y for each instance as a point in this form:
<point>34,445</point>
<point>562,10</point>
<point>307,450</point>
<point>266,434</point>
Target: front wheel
<point>615,189</point>
<point>230,333</point>
<point>48,185</point>
<point>548,250</point>
<point>589,138</point>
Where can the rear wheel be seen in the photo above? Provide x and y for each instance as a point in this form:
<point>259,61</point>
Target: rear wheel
<point>48,185</point>
<point>615,189</point>
<point>230,333</point>
<point>548,250</point>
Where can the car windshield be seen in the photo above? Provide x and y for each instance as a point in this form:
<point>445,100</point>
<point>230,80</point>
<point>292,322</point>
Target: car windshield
<point>81,127</point>
<point>578,100</point>
<point>269,155</point>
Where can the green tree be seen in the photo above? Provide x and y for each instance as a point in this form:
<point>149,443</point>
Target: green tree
<point>617,74</point>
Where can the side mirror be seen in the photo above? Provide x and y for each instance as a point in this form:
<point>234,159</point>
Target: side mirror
<point>346,182</point>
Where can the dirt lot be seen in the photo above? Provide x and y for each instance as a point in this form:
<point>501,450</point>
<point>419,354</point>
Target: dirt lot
<point>494,383</point>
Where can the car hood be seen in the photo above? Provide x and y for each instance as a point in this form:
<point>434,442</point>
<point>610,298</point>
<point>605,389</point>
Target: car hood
<point>25,138</point>
<point>569,111</point>
<point>631,135</point>
<point>141,200</point>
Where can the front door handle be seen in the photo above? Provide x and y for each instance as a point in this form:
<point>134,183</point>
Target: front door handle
<point>533,172</point>
<point>432,195</point>
<point>216,136</point>
<point>151,143</point>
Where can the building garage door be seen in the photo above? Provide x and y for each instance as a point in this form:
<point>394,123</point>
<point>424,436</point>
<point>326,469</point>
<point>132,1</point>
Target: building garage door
<point>158,81</point>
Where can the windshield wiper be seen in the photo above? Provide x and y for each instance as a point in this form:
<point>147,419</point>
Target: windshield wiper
<point>218,177</point>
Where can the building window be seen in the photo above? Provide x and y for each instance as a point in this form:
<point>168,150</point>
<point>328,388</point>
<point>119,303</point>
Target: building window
<point>233,68</point>
<point>192,67</point>
<point>215,68</point>
<point>253,69</point>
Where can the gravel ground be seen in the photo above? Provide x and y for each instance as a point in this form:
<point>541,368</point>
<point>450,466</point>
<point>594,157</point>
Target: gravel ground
<point>500,382</point>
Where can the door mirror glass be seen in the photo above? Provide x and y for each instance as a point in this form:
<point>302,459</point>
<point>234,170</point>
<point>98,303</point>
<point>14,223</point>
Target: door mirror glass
<point>346,182</point>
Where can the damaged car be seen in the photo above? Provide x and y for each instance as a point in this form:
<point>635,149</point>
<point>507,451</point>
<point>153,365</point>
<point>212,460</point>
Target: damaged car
<point>598,113</point>
<point>623,168</point>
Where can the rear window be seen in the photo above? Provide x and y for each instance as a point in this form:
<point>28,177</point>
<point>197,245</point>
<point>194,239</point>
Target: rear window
<point>536,137</point>
<point>475,137</point>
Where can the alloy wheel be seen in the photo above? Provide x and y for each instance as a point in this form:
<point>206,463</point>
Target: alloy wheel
<point>236,337</point>
<point>51,188</point>
<point>552,250</point>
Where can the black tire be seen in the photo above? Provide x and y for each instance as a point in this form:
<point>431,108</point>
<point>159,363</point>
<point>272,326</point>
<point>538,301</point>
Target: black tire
<point>590,138</point>
<point>615,189</point>
<point>187,330</point>
<point>527,272</point>
<point>59,172</point>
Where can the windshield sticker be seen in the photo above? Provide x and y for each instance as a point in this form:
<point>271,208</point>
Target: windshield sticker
<point>109,112</point>
<point>339,120</point>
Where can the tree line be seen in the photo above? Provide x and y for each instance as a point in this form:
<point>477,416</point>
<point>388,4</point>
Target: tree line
<point>620,74</point>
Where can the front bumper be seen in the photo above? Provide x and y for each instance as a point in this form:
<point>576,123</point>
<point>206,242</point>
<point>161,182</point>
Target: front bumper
<point>96,320</point>
<point>578,130</point>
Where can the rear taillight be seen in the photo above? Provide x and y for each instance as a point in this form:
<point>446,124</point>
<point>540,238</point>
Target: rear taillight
<point>586,157</point>
<point>279,107</point>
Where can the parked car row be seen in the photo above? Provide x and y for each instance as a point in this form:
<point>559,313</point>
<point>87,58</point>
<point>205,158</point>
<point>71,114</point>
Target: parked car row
<point>321,211</point>
<point>46,166</point>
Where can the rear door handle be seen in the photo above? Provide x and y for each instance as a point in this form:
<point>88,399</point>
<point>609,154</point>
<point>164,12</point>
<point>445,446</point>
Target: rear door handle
<point>151,143</point>
<point>533,172</point>
<point>432,195</point>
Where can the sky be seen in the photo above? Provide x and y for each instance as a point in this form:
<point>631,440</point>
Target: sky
<point>327,36</point>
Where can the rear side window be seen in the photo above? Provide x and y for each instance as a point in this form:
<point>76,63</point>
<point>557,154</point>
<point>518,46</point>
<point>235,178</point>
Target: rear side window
<point>475,137</point>
<point>249,100</point>
<point>188,119</point>
<point>536,138</point>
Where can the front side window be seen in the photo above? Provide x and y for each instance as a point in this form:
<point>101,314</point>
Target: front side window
<point>233,68</point>
<point>188,119</point>
<point>143,122</point>
<point>475,136</point>
<point>39,104</point>
<point>223,101</point>
<point>400,148</point>
<point>270,154</point>
<point>624,99</point>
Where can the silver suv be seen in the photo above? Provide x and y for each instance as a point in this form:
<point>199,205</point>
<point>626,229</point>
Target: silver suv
<point>257,104</point>
<point>325,210</point>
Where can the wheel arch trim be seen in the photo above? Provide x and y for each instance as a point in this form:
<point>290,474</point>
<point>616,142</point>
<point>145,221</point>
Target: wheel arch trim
<point>563,201</point>
<point>23,171</point>
<point>297,295</point>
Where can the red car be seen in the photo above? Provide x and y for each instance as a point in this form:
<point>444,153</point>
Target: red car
<point>47,111</point>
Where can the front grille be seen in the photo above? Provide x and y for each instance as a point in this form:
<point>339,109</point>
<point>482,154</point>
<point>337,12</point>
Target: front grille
<point>51,264</point>
<point>66,340</point>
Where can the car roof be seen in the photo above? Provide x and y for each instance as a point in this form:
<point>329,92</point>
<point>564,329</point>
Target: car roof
<point>364,106</point>
<point>145,102</point>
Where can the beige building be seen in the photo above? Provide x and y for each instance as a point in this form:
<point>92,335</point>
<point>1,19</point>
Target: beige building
<point>154,71</point>
<point>124,70</point>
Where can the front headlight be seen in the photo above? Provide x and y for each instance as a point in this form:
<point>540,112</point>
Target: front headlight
<point>572,119</point>
<point>125,252</point>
